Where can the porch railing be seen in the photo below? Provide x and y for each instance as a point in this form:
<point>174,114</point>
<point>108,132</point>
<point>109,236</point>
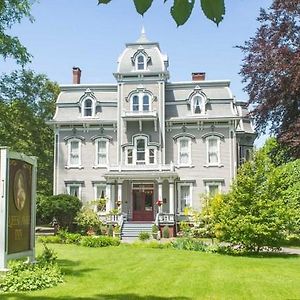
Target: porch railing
<point>165,219</point>
<point>113,218</point>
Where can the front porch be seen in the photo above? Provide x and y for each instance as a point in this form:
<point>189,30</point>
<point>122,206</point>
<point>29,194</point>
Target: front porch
<point>141,194</point>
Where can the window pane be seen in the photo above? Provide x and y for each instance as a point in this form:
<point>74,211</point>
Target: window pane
<point>140,150</point>
<point>213,189</point>
<point>213,153</point>
<point>151,156</point>
<point>135,103</point>
<point>74,153</point>
<point>74,190</point>
<point>184,155</point>
<point>100,191</point>
<point>102,153</point>
<point>88,108</point>
<point>129,156</point>
<point>146,103</point>
<point>184,196</point>
<point>197,104</point>
<point>140,63</point>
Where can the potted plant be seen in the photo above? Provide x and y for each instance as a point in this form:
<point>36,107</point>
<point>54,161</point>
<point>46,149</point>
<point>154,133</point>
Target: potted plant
<point>117,231</point>
<point>155,232</point>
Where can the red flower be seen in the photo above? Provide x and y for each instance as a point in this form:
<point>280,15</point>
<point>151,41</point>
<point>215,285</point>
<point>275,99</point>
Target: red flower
<point>158,202</point>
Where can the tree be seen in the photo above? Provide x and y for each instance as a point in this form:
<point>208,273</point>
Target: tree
<point>254,214</point>
<point>27,101</point>
<point>11,12</point>
<point>63,208</point>
<point>271,70</point>
<point>182,9</point>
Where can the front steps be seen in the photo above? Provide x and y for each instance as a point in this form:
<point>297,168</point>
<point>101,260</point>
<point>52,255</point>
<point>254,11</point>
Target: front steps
<point>133,229</point>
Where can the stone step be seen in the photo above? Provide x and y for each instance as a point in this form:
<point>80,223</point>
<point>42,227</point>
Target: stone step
<point>133,229</point>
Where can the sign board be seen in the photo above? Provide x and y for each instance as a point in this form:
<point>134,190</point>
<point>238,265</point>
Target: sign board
<point>17,206</point>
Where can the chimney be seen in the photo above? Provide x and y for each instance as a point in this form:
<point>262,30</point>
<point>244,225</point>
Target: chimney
<point>198,76</point>
<point>76,75</point>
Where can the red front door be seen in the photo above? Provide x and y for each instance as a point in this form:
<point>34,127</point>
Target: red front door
<point>142,205</point>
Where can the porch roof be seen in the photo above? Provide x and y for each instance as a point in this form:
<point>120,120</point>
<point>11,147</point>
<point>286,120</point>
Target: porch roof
<point>140,174</point>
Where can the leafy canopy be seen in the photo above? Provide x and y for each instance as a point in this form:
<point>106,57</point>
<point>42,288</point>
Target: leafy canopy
<point>12,12</point>
<point>182,9</point>
<point>271,70</point>
<point>27,101</point>
<point>262,205</point>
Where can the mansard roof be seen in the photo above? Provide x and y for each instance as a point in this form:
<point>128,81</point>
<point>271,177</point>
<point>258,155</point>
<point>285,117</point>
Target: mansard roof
<point>157,62</point>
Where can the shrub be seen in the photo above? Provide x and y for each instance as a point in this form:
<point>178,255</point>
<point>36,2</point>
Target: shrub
<point>87,220</point>
<point>155,228</point>
<point>99,241</point>
<point>63,207</point>
<point>144,236</point>
<point>189,244</point>
<point>166,232</point>
<point>110,230</point>
<point>51,239</point>
<point>185,228</point>
<point>28,277</point>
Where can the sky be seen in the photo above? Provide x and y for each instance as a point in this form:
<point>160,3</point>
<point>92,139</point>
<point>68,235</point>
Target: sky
<point>81,33</point>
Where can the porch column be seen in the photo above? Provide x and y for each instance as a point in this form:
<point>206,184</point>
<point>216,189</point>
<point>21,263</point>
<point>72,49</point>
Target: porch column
<point>171,197</point>
<point>160,196</point>
<point>119,196</point>
<point>110,196</point>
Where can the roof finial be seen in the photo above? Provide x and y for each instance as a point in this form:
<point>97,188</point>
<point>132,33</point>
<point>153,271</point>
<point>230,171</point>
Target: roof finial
<point>143,38</point>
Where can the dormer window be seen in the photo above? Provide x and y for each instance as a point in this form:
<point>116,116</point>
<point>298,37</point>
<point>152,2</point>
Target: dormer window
<point>140,62</point>
<point>197,104</point>
<point>88,109</point>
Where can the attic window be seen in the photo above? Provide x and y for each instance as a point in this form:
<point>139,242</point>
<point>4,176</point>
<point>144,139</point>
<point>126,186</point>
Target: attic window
<point>140,62</point>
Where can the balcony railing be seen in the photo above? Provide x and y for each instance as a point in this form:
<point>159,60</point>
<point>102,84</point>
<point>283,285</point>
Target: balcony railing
<point>139,114</point>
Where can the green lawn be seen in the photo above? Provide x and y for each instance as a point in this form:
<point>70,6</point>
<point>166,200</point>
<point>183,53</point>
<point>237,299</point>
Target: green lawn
<point>124,272</point>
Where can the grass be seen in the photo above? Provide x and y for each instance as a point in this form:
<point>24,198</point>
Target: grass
<point>126,272</point>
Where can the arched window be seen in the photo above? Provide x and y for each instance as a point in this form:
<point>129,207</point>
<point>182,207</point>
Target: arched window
<point>74,152</point>
<point>184,151</point>
<point>101,151</point>
<point>135,103</point>
<point>146,103</point>
<point>140,102</point>
<point>197,104</point>
<point>88,108</point>
<point>213,150</point>
<point>140,62</point>
<point>141,152</point>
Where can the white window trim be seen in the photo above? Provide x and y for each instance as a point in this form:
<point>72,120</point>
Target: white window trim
<point>202,105</point>
<point>179,185</point>
<point>69,165</point>
<point>75,185</point>
<point>189,164</point>
<point>137,64</point>
<point>134,152</point>
<point>97,165</point>
<point>218,163</point>
<point>96,185</point>
<point>213,183</point>
<point>140,97</point>
<point>83,108</point>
